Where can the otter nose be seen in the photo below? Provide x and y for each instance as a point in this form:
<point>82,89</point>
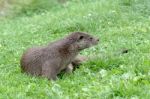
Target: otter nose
<point>97,40</point>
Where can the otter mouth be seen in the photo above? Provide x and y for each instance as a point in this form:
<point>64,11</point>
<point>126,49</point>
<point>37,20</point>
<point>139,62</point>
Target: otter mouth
<point>91,45</point>
<point>96,43</point>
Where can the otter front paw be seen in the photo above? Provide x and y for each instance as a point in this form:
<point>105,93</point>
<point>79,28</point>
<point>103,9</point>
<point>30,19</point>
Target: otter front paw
<point>69,68</point>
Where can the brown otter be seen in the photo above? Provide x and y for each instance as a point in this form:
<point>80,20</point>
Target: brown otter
<point>75,63</point>
<point>50,60</point>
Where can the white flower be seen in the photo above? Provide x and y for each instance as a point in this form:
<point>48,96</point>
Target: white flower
<point>103,72</point>
<point>127,75</point>
<point>121,66</point>
<point>113,11</point>
<point>89,14</point>
<point>85,89</point>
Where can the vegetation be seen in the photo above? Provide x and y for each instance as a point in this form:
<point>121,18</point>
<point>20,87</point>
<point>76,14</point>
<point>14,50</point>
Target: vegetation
<point>121,69</point>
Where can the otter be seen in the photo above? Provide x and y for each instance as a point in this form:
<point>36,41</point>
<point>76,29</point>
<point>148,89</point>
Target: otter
<point>49,60</point>
<point>75,64</point>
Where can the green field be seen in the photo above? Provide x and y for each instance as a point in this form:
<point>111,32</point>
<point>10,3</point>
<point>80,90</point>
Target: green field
<point>114,74</point>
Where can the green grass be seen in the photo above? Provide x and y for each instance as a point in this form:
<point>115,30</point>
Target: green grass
<point>120,24</point>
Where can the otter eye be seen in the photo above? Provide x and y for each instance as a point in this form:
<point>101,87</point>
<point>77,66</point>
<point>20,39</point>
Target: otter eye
<point>81,37</point>
<point>91,38</point>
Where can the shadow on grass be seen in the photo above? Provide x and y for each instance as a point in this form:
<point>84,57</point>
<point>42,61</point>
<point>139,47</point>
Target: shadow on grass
<point>104,63</point>
<point>95,65</point>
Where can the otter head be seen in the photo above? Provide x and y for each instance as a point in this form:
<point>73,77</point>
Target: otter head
<point>83,40</point>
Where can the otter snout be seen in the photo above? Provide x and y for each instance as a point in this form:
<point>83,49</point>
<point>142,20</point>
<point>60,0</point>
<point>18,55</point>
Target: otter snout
<point>97,39</point>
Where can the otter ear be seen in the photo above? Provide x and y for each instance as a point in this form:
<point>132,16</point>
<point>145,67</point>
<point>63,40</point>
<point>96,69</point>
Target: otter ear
<point>81,37</point>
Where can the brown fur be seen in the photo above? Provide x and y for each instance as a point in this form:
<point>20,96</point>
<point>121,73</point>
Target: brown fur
<point>75,64</point>
<point>50,60</point>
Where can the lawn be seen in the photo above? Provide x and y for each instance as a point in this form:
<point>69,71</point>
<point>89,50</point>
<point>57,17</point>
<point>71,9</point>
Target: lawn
<point>120,69</point>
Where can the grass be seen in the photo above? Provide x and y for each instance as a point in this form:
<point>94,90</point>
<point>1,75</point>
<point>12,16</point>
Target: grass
<point>120,24</point>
